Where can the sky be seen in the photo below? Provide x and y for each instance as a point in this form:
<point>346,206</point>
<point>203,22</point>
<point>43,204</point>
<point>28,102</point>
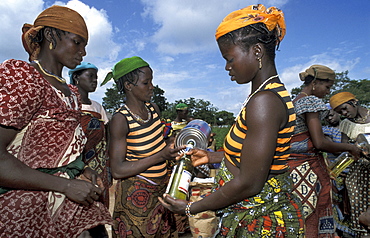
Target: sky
<point>176,37</point>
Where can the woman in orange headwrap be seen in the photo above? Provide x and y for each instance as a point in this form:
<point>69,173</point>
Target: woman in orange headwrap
<point>253,196</point>
<point>357,180</point>
<point>44,189</point>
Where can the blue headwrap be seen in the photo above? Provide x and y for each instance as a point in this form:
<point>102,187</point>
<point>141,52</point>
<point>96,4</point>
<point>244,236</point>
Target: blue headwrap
<point>82,66</point>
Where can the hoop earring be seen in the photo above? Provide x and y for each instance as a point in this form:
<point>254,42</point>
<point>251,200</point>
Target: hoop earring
<point>51,46</point>
<point>260,63</point>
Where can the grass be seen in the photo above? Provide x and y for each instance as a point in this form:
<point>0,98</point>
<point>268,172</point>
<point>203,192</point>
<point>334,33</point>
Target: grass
<point>220,135</point>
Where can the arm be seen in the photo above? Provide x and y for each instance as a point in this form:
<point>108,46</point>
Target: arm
<point>266,115</point>
<point>323,144</point>
<point>15,174</point>
<point>121,168</point>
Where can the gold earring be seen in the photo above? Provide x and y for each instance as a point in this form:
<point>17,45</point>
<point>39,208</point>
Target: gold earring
<point>260,63</point>
<point>51,46</point>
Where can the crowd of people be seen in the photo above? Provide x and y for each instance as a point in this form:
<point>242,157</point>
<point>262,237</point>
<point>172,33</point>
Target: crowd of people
<point>59,151</point>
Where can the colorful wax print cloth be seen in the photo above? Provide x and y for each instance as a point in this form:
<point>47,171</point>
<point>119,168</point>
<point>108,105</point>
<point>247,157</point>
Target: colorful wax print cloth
<point>50,136</point>
<point>95,153</point>
<point>138,212</point>
<point>274,212</point>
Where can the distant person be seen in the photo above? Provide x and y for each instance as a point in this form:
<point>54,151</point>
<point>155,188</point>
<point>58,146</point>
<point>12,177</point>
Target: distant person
<point>308,168</point>
<point>139,155</point>
<point>182,118</point>
<point>253,196</point>
<point>339,191</point>
<point>94,121</point>
<point>41,138</point>
<point>357,181</point>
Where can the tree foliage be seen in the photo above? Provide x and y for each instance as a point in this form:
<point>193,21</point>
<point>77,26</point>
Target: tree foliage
<point>343,83</point>
<point>198,108</point>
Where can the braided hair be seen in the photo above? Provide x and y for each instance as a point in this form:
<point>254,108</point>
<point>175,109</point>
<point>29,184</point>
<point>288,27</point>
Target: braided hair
<point>253,34</point>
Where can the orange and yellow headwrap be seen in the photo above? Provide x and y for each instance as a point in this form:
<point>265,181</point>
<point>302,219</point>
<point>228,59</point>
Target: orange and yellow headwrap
<point>62,18</point>
<point>271,17</point>
<point>340,98</point>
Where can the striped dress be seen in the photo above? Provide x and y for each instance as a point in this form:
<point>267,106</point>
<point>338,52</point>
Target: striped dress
<point>274,212</point>
<point>137,210</point>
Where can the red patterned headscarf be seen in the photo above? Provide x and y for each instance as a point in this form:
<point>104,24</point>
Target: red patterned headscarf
<point>271,17</point>
<point>59,17</point>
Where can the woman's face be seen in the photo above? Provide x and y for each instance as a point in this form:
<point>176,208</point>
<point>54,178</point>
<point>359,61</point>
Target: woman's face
<point>347,110</point>
<point>241,64</point>
<point>69,50</point>
<point>143,89</point>
<point>88,80</point>
<point>322,88</point>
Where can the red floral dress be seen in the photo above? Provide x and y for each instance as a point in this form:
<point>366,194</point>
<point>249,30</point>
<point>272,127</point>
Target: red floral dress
<point>50,136</point>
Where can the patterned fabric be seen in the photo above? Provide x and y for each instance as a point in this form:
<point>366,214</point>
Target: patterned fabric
<point>309,172</point>
<point>358,178</point>
<point>235,137</point>
<point>95,153</point>
<point>51,136</point>
<point>339,191</point>
<point>138,212</point>
<point>274,212</point>
<point>144,140</point>
<point>308,104</point>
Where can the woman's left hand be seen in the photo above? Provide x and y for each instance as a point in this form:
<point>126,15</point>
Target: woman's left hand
<point>174,205</point>
<point>93,177</point>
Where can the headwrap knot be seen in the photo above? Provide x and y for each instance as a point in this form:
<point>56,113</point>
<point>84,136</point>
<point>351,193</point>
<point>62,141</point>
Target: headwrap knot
<point>124,67</point>
<point>271,17</point>
<point>340,98</point>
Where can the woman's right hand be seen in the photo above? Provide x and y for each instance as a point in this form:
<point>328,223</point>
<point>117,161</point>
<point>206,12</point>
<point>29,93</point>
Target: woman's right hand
<point>198,156</point>
<point>82,192</point>
<point>356,152</point>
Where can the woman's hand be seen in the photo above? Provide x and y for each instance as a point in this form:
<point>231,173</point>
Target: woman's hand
<point>174,205</point>
<point>82,192</point>
<point>198,156</point>
<point>92,176</point>
<point>170,153</point>
<point>356,152</point>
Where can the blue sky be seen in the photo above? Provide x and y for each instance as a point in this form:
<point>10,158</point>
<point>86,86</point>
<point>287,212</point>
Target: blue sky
<point>176,37</point>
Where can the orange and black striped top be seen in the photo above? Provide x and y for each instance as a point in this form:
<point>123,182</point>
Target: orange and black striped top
<point>234,139</point>
<point>144,140</point>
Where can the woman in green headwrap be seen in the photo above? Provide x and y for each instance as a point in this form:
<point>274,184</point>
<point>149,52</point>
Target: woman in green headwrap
<point>41,139</point>
<point>139,155</point>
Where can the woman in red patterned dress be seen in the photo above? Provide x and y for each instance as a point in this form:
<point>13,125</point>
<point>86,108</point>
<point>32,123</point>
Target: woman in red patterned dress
<point>41,138</point>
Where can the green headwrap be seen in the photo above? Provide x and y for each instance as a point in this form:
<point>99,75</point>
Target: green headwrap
<point>124,67</point>
<point>181,106</point>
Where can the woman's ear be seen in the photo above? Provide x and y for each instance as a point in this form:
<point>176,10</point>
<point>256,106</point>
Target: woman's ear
<point>127,86</point>
<point>258,50</point>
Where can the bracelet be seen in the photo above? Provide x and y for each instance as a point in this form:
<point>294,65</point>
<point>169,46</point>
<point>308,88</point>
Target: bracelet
<point>187,210</point>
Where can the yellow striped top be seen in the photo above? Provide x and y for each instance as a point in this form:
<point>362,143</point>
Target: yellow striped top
<point>144,140</point>
<point>234,139</point>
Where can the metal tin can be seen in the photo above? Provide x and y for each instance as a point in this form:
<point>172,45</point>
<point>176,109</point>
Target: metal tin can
<point>196,132</point>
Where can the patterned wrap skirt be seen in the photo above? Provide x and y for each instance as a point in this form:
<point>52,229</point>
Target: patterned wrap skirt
<point>138,212</point>
<point>312,185</point>
<point>274,212</point>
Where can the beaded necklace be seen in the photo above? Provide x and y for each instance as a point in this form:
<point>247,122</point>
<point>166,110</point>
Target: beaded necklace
<point>137,117</point>
<point>251,95</point>
<point>46,72</point>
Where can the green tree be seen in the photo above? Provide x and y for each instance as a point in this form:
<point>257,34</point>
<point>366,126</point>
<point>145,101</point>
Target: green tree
<point>159,99</point>
<point>224,118</point>
<point>113,99</point>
